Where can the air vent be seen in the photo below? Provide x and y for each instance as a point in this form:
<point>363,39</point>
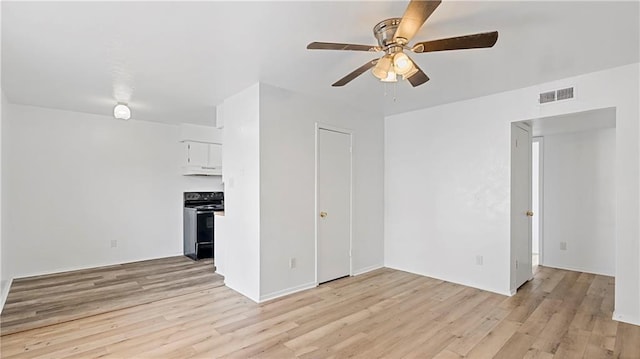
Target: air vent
<point>558,95</point>
<point>565,94</point>
<point>547,97</point>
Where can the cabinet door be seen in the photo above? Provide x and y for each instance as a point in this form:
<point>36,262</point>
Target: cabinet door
<point>215,155</point>
<point>197,154</point>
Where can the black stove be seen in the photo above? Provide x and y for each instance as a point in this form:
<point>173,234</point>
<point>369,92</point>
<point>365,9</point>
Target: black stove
<point>204,199</point>
<point>210,207</point>
<point>199,209</point>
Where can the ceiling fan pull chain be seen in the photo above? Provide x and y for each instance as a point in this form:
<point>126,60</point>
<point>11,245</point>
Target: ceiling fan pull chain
<point>395,84</point>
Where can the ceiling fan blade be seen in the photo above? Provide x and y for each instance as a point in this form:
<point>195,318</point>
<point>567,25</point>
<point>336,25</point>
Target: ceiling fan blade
<point>475,41</point>
<point>357,72</point>
<point>338,46</point>
<point>414,17</point>
<point>418,78</point>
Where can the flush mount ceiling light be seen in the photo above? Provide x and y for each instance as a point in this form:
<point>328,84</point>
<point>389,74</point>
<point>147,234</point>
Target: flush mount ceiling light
<point>393,37</point>
<point>121,112</point>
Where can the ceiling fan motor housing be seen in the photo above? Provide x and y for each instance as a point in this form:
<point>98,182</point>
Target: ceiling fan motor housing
<point>385,30</point>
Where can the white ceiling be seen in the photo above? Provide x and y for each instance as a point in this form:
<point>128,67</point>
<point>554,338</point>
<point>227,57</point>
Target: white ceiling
<point>574,122</point>
<point>174,61</point>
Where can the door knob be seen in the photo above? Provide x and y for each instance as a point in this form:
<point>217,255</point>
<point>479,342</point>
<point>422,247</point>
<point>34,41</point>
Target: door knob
<point>529,213</point>
<point>323,214</point>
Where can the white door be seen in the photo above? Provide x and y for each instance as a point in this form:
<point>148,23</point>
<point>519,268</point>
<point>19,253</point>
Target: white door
<point>334,205</point>
<point>521,270</point>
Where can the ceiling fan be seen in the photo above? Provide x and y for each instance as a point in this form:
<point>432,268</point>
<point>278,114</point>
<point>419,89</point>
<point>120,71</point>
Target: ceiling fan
<point>393,39</point>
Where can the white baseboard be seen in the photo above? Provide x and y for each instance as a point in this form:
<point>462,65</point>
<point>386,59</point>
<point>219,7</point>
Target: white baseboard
<point>368,269</point>
<point>4,292</point>
<point>234,288</point>
<point>625,318</point>
<point>287,291</point>
<point>95,265</point>
<point>471,285</point>
<point>575,269</point>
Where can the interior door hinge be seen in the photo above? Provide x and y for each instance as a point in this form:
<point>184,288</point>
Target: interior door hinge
<point>516,264</point>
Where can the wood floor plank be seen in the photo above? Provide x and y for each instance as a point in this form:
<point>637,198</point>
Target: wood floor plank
<point>627,341</point>
<point>381,314</point>
<point>493,342</point>
<point>56,298</point>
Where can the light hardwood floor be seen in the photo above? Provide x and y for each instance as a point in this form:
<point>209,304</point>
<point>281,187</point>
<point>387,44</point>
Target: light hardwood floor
<point>384,313</point>
<point>49,299</point>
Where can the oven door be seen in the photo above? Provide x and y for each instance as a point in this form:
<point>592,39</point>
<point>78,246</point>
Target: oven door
<point>204,231</point>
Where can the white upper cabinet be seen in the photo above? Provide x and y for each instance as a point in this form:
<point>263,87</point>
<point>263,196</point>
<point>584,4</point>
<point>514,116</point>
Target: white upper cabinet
<point>197,153</point>
<point>215,155</point>
<point>202,159</point>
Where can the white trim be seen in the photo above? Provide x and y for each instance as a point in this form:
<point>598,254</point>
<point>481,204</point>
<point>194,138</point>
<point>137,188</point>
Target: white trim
<point>540,213</point>
<point>623,318</point>
<point>233,287</point>
<point>581,270</point>
<point>97,265</point>
<point>287,291</point>
<point>4,292</point>
<point>198,141</point>
<point>346,131</point>
<point>368,269</point>
<point>507,293</point>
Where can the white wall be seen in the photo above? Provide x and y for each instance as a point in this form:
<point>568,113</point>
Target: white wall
<point>287,187</point>
<point>5,281</point>
<point>241,172</point>
<point>269,174</point>
<point>73,182</point>
<point>579,201</point>
<point>447,183</point>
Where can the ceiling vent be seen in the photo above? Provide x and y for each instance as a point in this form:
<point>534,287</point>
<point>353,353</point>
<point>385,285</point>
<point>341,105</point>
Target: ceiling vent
<point>564,94</point>
<point>557,95</point>
<point>547,97</point>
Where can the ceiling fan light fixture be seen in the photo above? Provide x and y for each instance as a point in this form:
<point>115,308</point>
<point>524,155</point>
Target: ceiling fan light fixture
<point>410,73</point>
<point>122,112</point>
<point>401,63</point>
<point>383,67</point>
<point>391,77</point>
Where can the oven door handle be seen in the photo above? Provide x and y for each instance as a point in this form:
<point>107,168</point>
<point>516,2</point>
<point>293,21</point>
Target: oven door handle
<point>204,212</point>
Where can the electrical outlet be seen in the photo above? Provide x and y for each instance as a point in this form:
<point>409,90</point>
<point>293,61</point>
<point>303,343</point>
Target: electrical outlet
<point>292,263</point>
<point>563,246</point>
<point>114,243</point>
<point>479,260</point>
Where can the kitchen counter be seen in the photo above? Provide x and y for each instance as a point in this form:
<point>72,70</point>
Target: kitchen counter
<point>219,213</point>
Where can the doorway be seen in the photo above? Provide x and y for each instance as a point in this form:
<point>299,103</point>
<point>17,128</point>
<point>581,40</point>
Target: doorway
<point>572,194</point>
<point>333,203</point>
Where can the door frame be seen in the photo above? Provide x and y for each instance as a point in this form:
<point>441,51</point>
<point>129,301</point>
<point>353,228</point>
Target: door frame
<point>322,126</point>
<point>513,270</point>
<point>540,214</point>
